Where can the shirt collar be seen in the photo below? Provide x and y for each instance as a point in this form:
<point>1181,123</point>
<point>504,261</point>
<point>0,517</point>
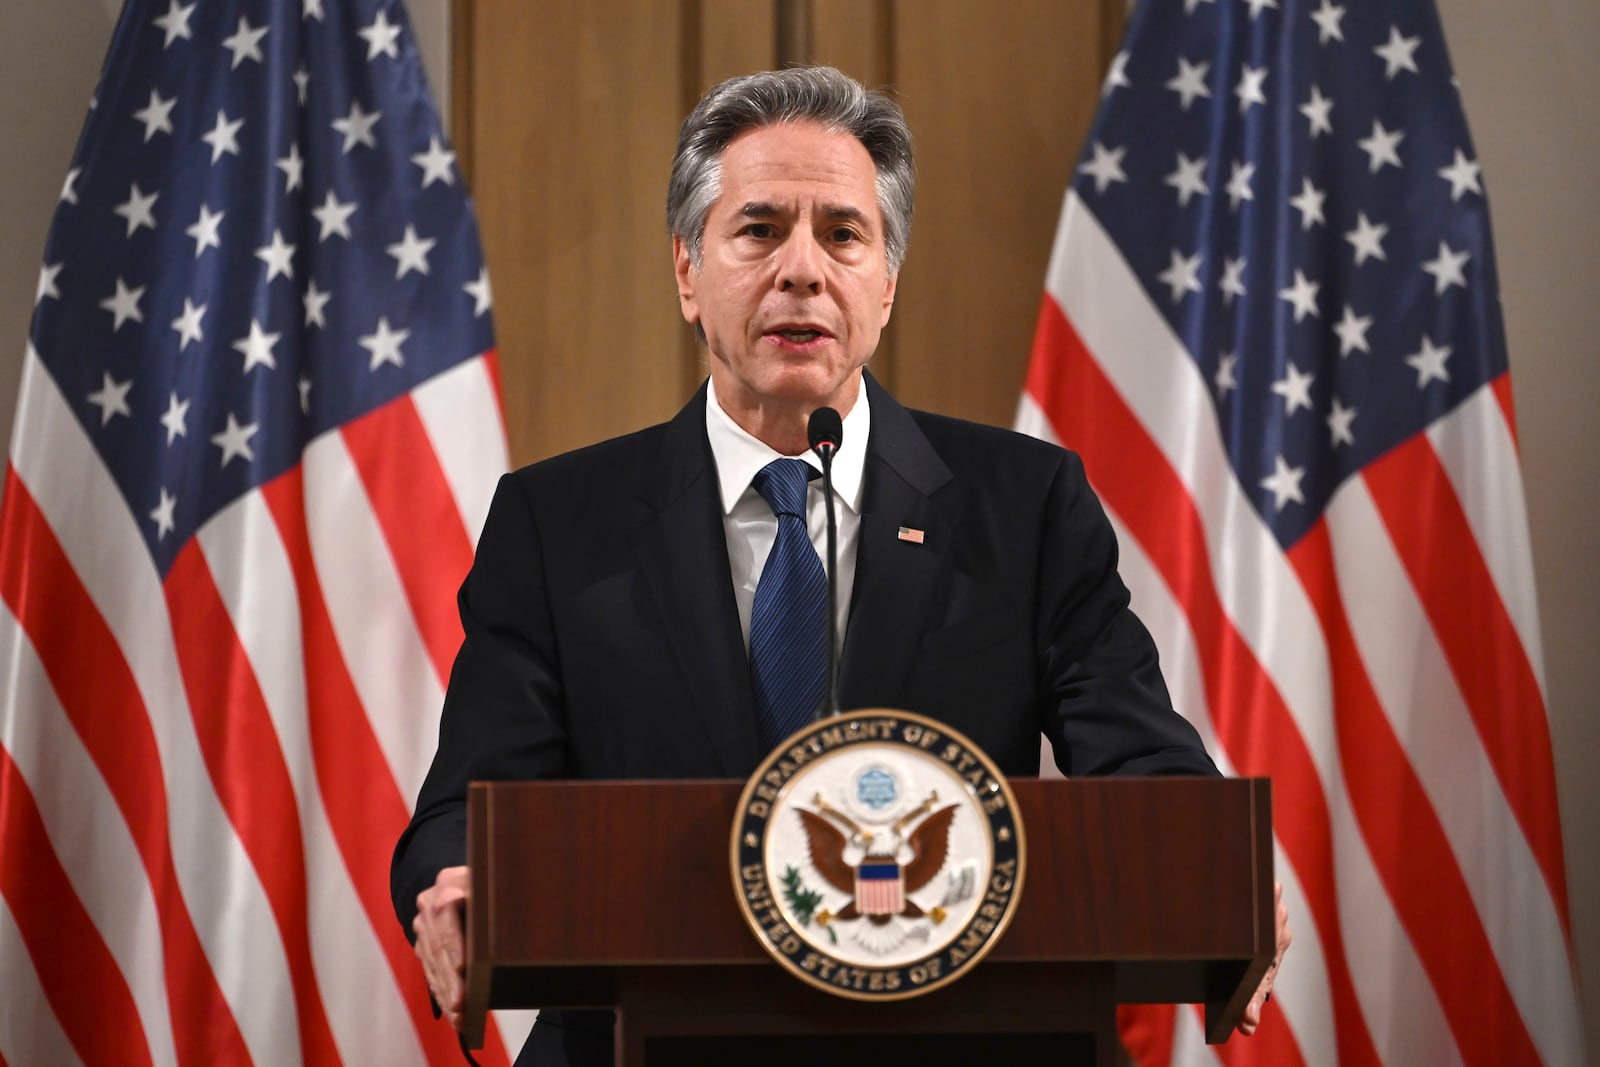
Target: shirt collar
<point>739,455</point>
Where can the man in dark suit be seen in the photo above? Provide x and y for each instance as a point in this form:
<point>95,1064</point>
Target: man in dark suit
<point>609,610</point>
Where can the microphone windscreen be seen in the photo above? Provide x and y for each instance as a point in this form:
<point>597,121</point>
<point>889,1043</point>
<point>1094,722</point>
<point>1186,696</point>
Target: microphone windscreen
<point>825,427</point>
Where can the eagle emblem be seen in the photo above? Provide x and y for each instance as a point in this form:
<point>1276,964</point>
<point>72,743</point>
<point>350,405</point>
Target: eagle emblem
<point>892,866</point>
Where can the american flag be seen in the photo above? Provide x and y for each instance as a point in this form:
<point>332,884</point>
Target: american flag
<point>880,889</point>
<point>1272,328</point>
<point>256,438</point>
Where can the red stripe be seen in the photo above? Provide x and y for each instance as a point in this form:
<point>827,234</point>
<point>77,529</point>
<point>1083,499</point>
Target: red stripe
<point>1436,545</point>
<point>1409,845</point>
<point>491,367</point>
<point>104,704</point>
<point>86,990</point>
<point>242,751</point>
<point>365,810</point>
<point>417,512</point>
<point>1502,394</point>
<point>1251,720</point>
<point>1147,1032</point>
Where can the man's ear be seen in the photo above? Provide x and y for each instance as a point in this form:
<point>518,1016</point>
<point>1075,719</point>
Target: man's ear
<point>684,272</point>
<point>888,299</point>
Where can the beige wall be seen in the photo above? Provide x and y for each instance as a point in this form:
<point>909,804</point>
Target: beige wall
<point>1533,114</point>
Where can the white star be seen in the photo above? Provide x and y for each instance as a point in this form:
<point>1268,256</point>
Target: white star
<point>175,22</point>
<point>1232,283</point>
<point>1187,178</point>
<point>277,256</point>
<point>315,300</point>
<point>1380,147</point>
<point>1316,111</point>
<point>48,273</point>
<point>1339,424</point>
<point>1224,379</point>
<point>293,168</point>
<point>1303,295</point>
<point>1367,239</point>
<point>1428,362</point>
<point>111,398</point>
<point>204,231</point>
<point>174,419</point>
<point>124,305</point>
<point>1190,5</point>
<point>1238,188</point>
<point>1352,331</point>
<point>302,81</point>
<point>357,127</point>
<point>1189,82</point>
<point>69,192</point>
<point>137,209</point>
<point>435,163</point>
<point>1446,269</point>
<point>188,324</point>
<point>1106,167</point>
<point>411,253</point>
<point>313,10</point>
<point>163,514</point>
<point>1462,174</point>
<point>1284,483</point>
<point>245,43</point>
<point>224,137</point>
<point>256,347</point>
<point>1398,53</point>
<point>156,115</point>
<point>1249,89</point>
<point>1327,19</point>
<point>479,291</point>
<point>384,344</point>
<point>1309,204</point>
<point>334,217</point>
<point>1117,76</point>
<point>1257,6</point>
<point>1182,275</point>
<point>234,440</point>
<point>1295,388</point>
<point>305,395</point>
<point>381,38</point>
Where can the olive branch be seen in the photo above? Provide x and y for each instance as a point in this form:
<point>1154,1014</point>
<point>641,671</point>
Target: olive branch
<point>804,902</point>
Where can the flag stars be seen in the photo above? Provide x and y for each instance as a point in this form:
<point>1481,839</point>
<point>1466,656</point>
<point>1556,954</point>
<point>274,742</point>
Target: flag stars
<point>204,231</point>
<point>435,163</point>
<point>234,440</point>
<point>1284,483</point>
<point>293,168</point>
<point>384,344</point>
<point>1117,76</point>
<point>382,38</point>
<point>302,82</point>
<point>245,43</point>
<point>156,115</point>
<point>312,10</point>
<point>1447,269</point>
<point>175,23</point>
<point>1188,178</point>
<point>1463,174</point>
<point>162,515</point>
<point>278,256</point>
<point>175,420</point>
<point>1351,330</point>
<point>1238,188</point>
<point>1232,283</point>
<point>315,301</point>
<point>48,273</point>
<point>1382,147</point>
<point>256,347</point>
<point>1303,295</point>
<point>1226,379</point>
<point>1309,203</point>
<point>1249,90</point>
<point>1317,112</point>
<point>111,398</point>
<point>124,305</point>
<point>479,291</point>
<point>138,209</point>
<point>1182,275</point>
<point>1339,420</point>
<point>1327,19</point>
<point>411,253</point>
<point>333,217</point>
<point>357,127</point>
<point>1189,82</point>
<point>1398,53</point>
<point>188,324</point>
<point>305,395</point>
<point>69,188</point>
<point>1429,363</point>
<point>1367,239</point>
<point>223,137</point>
<point>1295,388</point>
<point>1258,6</point>
<point>1105,167</point>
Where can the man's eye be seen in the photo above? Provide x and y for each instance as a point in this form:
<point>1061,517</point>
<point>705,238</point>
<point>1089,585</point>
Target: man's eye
<point>844,235</point>
<point>759,230</point>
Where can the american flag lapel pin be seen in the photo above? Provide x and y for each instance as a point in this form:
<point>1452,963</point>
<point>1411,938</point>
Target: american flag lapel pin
<point>912,534</point>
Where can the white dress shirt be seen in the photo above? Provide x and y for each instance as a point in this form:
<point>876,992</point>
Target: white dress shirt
<point>749,523</point>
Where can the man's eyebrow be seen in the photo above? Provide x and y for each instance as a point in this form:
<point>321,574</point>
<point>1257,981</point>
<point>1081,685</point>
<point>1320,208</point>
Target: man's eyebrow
<point>763,209</point>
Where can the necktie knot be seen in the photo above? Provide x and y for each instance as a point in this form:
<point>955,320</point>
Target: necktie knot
<point>782,484</point>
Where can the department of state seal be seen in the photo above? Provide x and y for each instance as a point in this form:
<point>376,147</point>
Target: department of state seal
<point>877,854</point>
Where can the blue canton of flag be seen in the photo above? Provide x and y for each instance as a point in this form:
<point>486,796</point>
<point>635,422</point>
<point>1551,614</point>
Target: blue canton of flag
<point>262,237</point>
<point>1296,189</point>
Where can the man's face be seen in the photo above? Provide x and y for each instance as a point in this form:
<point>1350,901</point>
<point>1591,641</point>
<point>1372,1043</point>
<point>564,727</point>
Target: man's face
<point>793,287</point>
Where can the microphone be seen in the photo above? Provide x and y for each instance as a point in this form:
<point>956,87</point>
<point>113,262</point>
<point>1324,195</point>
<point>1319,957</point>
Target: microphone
<point>824,431</point>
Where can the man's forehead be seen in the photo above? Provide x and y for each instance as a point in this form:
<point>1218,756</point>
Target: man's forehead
<point>790,167</point>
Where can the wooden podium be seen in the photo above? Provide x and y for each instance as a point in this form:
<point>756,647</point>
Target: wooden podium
<point>618,895</point>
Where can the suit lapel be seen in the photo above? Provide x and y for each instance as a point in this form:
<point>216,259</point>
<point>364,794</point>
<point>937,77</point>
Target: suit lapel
<point>895,578</point>
<point>683,553</point>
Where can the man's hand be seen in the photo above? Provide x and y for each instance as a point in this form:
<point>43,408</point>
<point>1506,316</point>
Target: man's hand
<point>1252,1011</point>
<point>440,943</point>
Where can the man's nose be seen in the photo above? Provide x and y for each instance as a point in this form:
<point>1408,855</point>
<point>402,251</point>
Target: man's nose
<point>800,262</point>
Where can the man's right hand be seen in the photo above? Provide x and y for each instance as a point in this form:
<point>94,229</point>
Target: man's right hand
<point>440,943</point>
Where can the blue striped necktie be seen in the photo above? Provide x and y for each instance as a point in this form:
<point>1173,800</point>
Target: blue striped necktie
<point>789,619</point>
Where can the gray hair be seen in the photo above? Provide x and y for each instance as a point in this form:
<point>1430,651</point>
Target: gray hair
<point>771,98</point>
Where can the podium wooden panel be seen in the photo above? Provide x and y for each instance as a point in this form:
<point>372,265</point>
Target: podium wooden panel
<point>618,894</point>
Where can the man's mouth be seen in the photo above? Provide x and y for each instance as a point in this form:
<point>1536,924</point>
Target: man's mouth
<point>799,337</point>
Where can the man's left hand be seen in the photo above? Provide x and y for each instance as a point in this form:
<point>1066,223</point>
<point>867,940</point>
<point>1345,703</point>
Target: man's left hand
<point>1252,1011</point>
